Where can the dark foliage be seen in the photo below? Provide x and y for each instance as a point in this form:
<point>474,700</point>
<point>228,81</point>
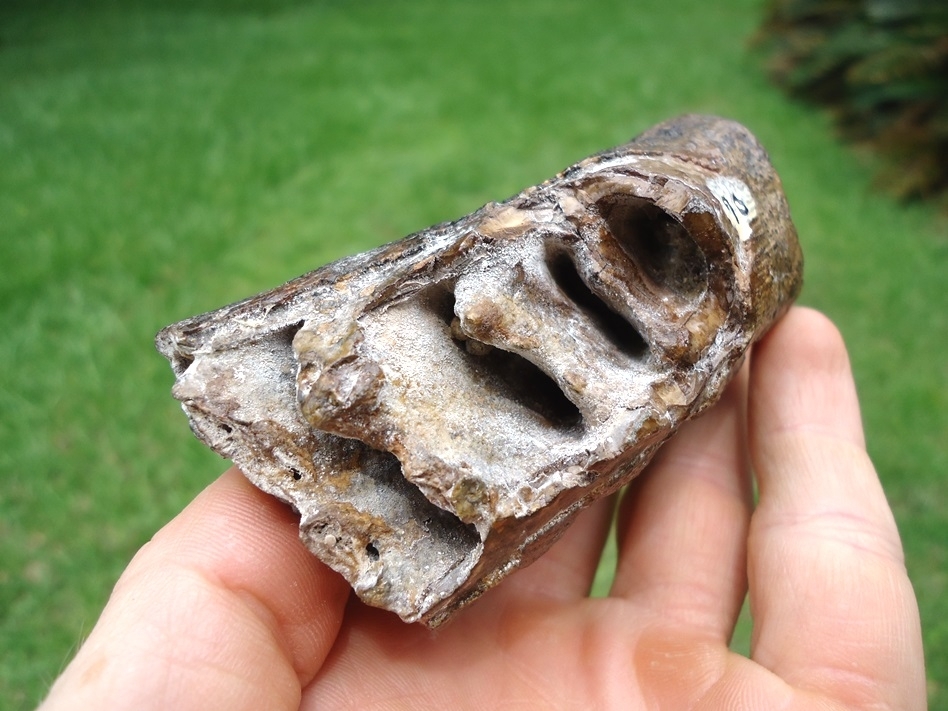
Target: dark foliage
<point>881,66</point>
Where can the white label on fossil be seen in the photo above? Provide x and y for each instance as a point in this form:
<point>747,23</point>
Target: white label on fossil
<point>738,202</point>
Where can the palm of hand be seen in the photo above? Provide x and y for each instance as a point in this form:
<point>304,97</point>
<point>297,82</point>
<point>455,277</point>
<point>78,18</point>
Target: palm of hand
<point>224,609</point>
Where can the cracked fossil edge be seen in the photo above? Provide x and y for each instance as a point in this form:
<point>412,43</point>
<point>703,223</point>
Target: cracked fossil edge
<point>440,408</point>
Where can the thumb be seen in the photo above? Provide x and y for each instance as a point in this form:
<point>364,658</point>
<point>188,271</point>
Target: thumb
<point>224,608</point>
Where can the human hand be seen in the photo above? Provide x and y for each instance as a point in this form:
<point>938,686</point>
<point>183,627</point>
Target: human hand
<point>226,609</point>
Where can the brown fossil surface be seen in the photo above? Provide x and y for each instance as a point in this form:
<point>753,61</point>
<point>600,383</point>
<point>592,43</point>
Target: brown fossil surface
<point>440,408</point>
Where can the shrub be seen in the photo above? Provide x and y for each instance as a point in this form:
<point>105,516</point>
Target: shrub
<point>881,66</point>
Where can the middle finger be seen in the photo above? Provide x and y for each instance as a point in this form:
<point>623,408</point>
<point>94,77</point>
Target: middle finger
<point>683,525</point>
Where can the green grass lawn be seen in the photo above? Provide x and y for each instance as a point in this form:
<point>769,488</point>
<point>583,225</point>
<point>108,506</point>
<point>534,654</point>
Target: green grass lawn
<point>162,159</point>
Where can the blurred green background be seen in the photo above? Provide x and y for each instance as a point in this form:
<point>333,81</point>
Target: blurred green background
<point>160,159</point>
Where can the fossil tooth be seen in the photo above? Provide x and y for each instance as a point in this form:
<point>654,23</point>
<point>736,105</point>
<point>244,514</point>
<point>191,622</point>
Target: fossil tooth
<point>440,408</point>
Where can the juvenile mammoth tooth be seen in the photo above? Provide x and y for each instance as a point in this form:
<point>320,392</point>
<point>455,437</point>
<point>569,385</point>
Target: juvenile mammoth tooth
<point>439,409</point>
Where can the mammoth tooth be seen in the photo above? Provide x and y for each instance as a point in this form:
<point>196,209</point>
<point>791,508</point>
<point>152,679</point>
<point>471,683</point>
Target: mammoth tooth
<point>439,409</point>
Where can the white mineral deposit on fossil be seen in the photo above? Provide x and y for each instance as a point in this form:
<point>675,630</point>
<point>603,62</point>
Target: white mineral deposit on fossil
<point>439,409</point>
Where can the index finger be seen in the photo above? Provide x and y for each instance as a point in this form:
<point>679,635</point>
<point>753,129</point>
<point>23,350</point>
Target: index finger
<point>834,612</point>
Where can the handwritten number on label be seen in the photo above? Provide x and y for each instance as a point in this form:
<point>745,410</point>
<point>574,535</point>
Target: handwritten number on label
<point>737,201</point>
<point>737,207</point>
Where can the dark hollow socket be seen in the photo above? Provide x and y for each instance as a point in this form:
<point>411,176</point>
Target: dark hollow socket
<point>388,505</point>
<point>614,327</point>
<point>509,373</point>
<point>658,244</point>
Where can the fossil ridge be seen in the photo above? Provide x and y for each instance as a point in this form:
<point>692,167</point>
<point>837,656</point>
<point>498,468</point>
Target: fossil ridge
<point>440,408</point>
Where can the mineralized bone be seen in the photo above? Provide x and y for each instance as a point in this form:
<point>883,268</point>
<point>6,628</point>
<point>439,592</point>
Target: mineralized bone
<point>439,409</point>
